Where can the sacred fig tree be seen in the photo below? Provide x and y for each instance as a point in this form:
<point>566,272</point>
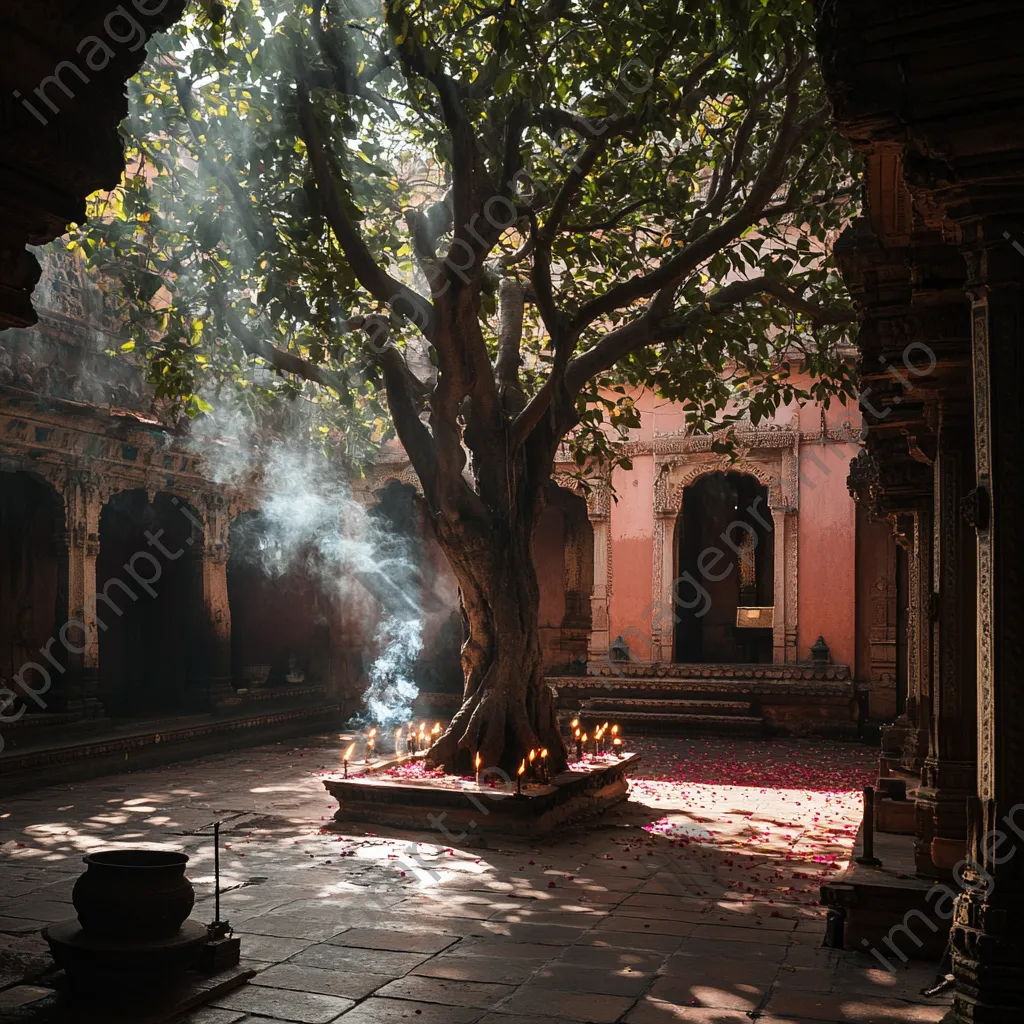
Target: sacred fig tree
<point>483,225</point>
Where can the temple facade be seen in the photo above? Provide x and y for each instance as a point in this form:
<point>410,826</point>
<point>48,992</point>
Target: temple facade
<point>134,577</point>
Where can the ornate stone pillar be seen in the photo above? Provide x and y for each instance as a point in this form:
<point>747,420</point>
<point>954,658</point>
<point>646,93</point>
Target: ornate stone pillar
<point>782,651</point>
<point>79,635</point>
<point>988,926</point>
<point>211,672</point>
<point>949,773</point>
<point>599,513</point>
<point>663,618</point>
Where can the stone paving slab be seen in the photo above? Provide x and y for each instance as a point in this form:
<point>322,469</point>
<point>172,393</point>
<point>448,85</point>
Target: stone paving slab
<point>297,978</point>
<point>408,941</point>
<point>298,1007</point>
<point>389,1011</point>
<point>211,1015</point>
<point>533,999</point>
<point>594,980</point>
<point>498,970</point>
<point>483,995</point>
<point>355,959</point>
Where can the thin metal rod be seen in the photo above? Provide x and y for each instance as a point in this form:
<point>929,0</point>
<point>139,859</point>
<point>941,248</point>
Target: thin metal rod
<point>216,871</point>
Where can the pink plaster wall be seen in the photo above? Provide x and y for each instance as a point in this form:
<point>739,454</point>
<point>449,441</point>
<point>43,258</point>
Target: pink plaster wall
<point>632,535</point>
<point>827,603</point>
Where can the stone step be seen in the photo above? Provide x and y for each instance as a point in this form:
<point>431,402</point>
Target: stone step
<point>695,705</point>
<point>738,687</point>
<point>673,722</point>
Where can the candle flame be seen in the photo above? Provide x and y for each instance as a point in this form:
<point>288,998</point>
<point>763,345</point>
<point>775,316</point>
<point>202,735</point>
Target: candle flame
<point>372,733</point>
<point>348,753</point>
<point>584,737</point>
<point>476,762</point>
<point>577,734</point>
<point>615,730</point>
<point>522,768</point>
<point>574,723</point>
<point>603,727</point>
<point>617,741</point>
<point>533,754</point>
<point>544,752</point>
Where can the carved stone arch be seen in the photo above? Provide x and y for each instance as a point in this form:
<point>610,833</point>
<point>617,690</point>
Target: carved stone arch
<point>771,482</point>
<point>672,477</point>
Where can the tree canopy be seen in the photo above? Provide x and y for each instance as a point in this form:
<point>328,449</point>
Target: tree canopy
<point>336,189</point>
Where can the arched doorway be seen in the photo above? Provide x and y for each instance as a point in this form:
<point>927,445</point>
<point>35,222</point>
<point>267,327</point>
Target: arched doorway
<point>726,570</point>
<point>149,603</point>
<point>33,573</point>
<point>563,545</point>
<point>280,628</point>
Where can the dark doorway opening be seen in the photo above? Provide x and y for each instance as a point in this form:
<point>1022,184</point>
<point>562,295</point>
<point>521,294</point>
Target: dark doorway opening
<point>563,544</point>
<point>726,561</point>
<point>148,620</point>
<point>280,632</point>
<point>33,574</point>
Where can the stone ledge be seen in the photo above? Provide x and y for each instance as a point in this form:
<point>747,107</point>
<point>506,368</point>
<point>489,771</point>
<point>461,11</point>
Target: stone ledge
<point>144,747</point>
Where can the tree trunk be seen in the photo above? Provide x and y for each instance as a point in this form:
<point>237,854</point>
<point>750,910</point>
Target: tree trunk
<point>507,708</point>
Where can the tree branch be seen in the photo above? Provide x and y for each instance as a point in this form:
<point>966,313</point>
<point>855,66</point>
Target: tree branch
<point>667,277</point>
<point>511,307</point>
<point>286,362</point>
<point>381,285</point>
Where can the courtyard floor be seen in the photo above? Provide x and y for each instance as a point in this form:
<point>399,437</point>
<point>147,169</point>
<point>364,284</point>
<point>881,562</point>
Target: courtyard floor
<point>694,902</point>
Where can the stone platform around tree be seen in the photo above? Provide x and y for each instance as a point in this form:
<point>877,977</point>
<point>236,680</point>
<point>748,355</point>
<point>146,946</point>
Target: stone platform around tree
<point>383,795</point>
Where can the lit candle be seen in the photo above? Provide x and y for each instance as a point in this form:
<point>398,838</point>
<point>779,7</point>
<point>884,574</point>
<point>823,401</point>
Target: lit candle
<point>476,765</point>
<point>532,755</point>
<point>617,745</point>
<point>519,778</point>
<point>579,744</point>
<point>544,765</point>
<point>582,744</point>
<point>370,742</point>
<point>346,756</point>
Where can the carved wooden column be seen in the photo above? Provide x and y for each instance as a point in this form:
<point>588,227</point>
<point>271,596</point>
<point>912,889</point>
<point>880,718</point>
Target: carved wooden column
<point>79,635</point>
<point>599,513</point>
<point>211,672</point>
<point>988,926</point>
<point>949,773</point>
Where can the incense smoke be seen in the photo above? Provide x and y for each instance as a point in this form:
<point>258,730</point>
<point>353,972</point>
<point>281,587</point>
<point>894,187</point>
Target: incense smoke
<point>309,520</point>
